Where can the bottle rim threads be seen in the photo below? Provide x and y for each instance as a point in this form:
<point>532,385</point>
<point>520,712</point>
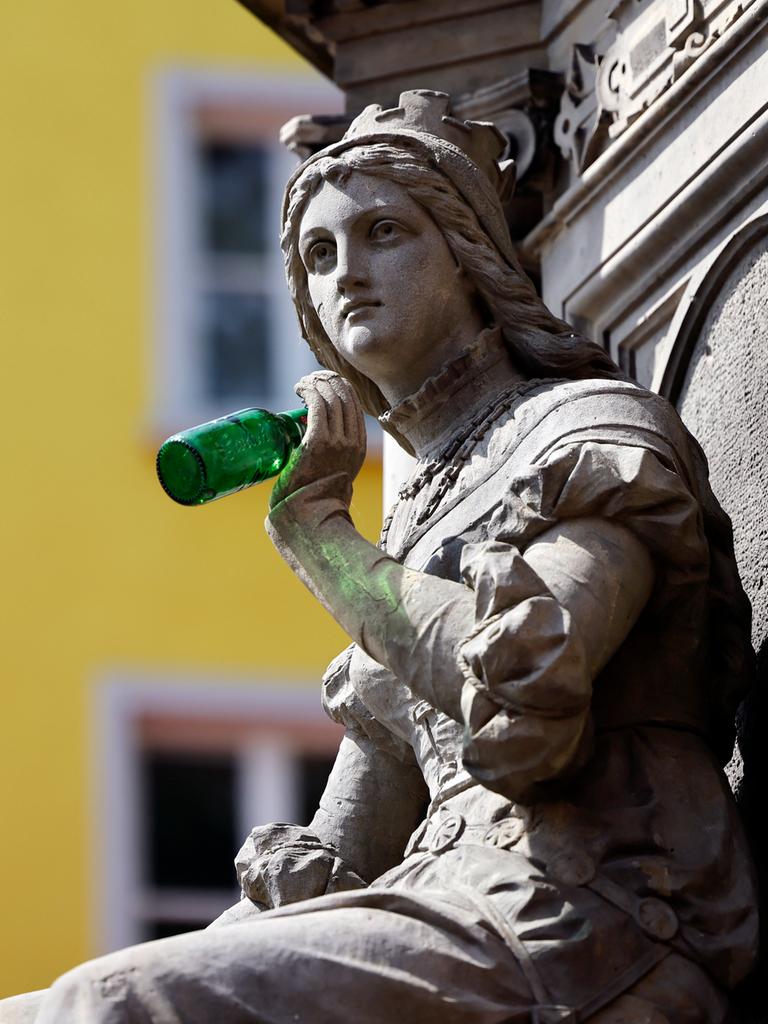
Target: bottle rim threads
<point>193,471</point>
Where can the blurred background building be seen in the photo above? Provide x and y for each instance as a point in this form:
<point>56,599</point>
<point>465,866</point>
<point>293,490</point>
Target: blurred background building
<point>160,665</point>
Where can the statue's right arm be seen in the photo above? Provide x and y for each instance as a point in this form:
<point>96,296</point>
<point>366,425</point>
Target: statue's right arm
<point>371,805</point>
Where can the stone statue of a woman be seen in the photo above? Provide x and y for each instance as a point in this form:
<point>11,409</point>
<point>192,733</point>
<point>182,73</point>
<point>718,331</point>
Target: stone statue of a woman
<point>527,819</point>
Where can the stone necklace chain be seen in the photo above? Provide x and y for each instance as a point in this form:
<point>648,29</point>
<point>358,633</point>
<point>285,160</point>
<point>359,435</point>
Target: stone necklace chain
<point>455,453</point>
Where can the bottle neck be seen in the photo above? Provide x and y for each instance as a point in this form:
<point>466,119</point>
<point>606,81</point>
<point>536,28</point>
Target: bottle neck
<point>296,421</point>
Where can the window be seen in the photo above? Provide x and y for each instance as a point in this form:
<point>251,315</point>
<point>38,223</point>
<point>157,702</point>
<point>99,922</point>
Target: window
<point>185,773</point>
<point>235,318</point>
<point>191,831</point>
<point>226,335</point>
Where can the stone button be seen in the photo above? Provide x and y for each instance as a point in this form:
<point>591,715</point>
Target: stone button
<point>657,918</point>
<point>574,868</point>
<point>446,831</point>
<point>504,834</point>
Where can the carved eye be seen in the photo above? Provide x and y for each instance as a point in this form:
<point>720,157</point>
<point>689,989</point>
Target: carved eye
<point>385,231</point>
<point>321,257</point>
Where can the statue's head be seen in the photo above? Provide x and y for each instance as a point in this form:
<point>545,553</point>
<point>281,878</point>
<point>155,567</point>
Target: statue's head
<point>425,241</point>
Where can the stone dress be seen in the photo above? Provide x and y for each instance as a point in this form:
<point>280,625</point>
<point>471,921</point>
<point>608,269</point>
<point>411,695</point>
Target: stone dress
<point>439,880</point>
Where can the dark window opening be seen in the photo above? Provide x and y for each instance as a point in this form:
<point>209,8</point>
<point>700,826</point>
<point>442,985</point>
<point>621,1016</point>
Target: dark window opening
<point>190,809</point>
<point>313,775</point>
<point>164,929</point>
<point>234,179</point>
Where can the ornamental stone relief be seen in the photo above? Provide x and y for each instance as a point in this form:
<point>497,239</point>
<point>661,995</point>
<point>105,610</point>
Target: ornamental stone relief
<point>581,126</point>
<point>609,86</point>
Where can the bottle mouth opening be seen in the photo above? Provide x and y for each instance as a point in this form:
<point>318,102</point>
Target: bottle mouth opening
<point>181,472</point>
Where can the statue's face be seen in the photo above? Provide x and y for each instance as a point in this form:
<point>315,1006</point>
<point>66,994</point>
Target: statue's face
<point>383,281</point>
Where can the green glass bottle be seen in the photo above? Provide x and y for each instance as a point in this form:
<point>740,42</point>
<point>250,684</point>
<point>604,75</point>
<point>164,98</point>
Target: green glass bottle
<point>225,455</point>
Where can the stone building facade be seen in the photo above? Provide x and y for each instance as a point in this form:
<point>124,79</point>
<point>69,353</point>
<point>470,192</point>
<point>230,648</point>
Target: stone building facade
<point>640,131</point>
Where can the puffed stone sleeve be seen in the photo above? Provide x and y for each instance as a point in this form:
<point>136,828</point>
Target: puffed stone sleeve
<point>342,703</point>
<point>643,488</point>
<point>529,664</point>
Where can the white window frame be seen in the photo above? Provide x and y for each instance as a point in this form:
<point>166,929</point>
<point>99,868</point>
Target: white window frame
<point>121,901</point>
<point>178,397</point>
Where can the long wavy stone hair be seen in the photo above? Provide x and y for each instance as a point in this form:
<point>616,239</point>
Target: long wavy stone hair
<point>540,344</point>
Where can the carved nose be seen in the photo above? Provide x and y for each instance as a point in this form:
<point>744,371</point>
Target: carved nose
<point>348,277</point>
<point>350,272</point>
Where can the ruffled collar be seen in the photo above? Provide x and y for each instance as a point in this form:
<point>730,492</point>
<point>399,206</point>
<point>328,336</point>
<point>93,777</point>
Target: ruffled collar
<point>428,417</point>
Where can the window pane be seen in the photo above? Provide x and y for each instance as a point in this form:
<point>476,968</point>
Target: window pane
<point>164,929</point>
<point>238,356</point>
<point>234,197</point>
<point>313,775</point>
<point>190,804</point>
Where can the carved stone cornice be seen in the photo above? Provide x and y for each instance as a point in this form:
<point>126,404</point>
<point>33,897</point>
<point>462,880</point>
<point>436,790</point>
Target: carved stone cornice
<point>376,49</point>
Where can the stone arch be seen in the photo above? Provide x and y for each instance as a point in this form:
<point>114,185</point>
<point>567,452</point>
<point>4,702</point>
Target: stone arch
<point>717,376</point>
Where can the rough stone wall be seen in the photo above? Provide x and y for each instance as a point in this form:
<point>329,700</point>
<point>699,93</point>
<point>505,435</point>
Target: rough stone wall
<point>724,402</point>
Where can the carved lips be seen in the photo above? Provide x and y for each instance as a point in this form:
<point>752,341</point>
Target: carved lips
<point>348,309</point>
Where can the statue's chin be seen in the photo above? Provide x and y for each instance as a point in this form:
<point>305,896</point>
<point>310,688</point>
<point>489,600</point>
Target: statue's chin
<point>365,347</point>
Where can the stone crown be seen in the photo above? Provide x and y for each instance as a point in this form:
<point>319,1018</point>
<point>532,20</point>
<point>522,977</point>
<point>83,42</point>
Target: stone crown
<point>428,113</point>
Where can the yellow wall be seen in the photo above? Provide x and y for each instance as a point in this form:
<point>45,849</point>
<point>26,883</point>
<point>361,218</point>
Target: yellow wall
<point>99,568</point>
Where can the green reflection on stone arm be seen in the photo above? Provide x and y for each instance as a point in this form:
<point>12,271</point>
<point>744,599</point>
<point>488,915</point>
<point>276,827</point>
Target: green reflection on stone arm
<point>408,621</point>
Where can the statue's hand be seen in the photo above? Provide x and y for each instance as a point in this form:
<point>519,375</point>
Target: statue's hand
<point>333,448</point>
